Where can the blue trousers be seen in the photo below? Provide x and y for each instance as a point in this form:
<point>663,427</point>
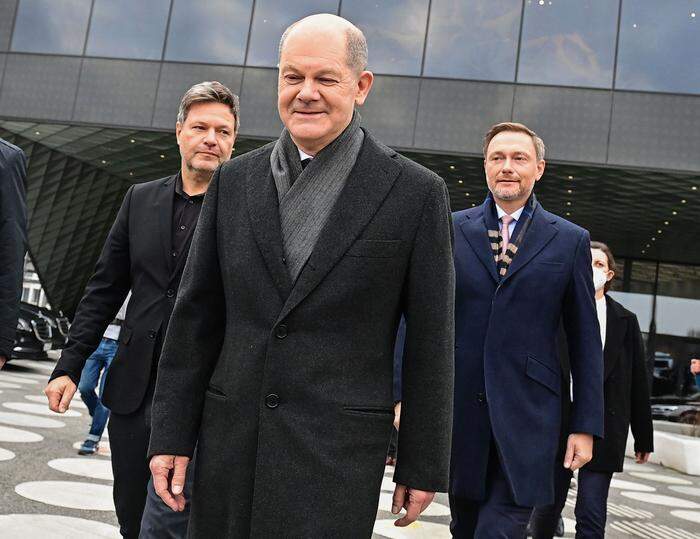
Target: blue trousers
<point>591,505</point>
<point>498,516</point>
<point>97,363</point>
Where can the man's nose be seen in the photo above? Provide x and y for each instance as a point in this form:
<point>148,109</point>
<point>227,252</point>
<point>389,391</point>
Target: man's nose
<point>507,165</point>
<point>210,137</point>
<point>308,91</point>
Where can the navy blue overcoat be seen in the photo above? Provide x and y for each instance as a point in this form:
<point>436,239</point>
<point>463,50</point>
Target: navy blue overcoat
<point>507,370</point>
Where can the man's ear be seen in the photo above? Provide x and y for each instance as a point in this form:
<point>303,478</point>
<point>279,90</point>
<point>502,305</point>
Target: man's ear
<point>364,85</point>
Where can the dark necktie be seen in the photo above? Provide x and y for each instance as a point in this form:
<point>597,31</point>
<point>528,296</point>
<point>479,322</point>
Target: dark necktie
<point>305,162</point>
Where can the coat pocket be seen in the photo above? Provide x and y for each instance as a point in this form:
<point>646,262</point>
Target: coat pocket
<point>539,372</point>
<point>369,411</point>
<point>216,393</point>
<point>375,248</point>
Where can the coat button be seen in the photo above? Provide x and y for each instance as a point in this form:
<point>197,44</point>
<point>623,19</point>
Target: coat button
<point>612,412</point>
<point>151,334</point>
<point>480,398</point>
<point>272,401</point>
<point>281,331</point>
<point>170,293</point>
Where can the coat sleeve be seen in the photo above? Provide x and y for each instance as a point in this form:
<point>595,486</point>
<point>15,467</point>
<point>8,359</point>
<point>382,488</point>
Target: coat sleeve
<point>104,295</point>
<point>13,240</point>
<point>585,348</point>
<point>193,340</point>
<point>640,412</point>
<point>428,361</point>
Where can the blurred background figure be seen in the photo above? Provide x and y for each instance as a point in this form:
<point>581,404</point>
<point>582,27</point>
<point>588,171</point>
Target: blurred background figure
<point>13,241</point>
<point>626,392</point>
<point>94,372</point>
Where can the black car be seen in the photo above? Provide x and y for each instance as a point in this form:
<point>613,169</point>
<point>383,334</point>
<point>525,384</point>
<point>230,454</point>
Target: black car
<point>33,337</point>
<point>58,322</point>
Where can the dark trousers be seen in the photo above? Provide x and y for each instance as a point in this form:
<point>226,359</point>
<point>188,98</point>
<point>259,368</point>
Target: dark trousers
<point>498,516</point>
<point>128,438</point>
<point>543,522</point>
<point>591,505</point>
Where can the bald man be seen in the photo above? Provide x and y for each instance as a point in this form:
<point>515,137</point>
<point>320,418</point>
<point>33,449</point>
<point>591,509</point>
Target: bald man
<point>278,360</point>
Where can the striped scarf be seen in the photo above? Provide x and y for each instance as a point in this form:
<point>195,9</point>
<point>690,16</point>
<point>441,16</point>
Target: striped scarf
<point>503,260</point>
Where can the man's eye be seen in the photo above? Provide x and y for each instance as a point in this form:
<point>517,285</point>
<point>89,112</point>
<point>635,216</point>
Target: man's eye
<point>198,127</point>
<point>327,81</point>
<point>293,78</point>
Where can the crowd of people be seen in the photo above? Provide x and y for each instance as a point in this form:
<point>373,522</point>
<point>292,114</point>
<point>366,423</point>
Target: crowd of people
<point>320,296</point>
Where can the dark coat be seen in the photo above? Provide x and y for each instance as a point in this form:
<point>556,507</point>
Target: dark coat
<point>287,388</point>
<point>626,391</point>
<point>136,256</point>
<point>13,240</point>
<point>507,369</point>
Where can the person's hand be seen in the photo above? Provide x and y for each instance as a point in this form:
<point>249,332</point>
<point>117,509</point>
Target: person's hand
<point>60,392</point>
<point>413,500</point>
<point>397,414</point>
<point>579,450</point>
<point>168,473</point>
<point>3,360</point>
<point>641,457</point>
<point>695,366</point>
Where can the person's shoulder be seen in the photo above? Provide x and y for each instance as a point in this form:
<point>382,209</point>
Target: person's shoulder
<point>242,161</point>
<point>152,185</point>
<point>563,224</point>
<point>616,306</point>
<point>468,213</point>
<point>9,149</point>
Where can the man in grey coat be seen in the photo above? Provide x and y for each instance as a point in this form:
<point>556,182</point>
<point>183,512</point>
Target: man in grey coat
<point>278,360</point>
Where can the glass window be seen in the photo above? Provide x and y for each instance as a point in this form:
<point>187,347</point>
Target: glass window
<point>214,31</point>
<point>57,26</point>
<point>568,43</point>
<point>128,29</point>
<point>473,39</point>
<point>659,45</point>
<point>395,32</point>
<point>271,18</point>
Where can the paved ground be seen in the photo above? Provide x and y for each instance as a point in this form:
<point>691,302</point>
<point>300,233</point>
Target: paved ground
<point>47,491</point>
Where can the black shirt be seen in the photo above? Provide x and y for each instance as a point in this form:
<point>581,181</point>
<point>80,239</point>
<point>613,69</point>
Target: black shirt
<point>186,210</point>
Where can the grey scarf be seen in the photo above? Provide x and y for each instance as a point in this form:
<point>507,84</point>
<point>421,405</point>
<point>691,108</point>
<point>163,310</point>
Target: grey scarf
<point>307,196</point>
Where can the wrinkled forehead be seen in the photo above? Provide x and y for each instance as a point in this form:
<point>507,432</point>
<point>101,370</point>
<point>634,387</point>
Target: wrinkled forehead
<point>314,42</point>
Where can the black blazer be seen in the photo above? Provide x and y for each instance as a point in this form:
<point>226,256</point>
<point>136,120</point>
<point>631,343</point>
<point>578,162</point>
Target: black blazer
<point>13,240</point>
<point>626,391</point>
<point>287,387</point>
<point>136,256</point>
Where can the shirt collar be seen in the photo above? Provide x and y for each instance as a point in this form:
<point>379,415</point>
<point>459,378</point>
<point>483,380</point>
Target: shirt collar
<point>181,192</point>
<point>515,215</point>
<point>303,155</point>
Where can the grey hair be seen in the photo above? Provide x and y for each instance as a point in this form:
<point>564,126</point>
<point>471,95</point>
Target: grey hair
<point>356,47</point>
<point>209,92</point>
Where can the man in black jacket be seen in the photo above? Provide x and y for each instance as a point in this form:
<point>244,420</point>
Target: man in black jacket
<point>13,233</point>
<point>145,252</point>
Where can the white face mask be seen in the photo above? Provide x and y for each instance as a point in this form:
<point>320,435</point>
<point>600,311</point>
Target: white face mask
<point>600,277</point>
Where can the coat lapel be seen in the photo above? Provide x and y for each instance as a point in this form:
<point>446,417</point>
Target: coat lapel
<point>368,184</point>
<point>265,221</point>
<point>615,329</point>
<point>541,231</point>
<point>164,210</point>
<point>475,231</point>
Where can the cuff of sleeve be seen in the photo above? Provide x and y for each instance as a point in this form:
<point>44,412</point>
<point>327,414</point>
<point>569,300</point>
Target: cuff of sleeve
<point>59,372</point>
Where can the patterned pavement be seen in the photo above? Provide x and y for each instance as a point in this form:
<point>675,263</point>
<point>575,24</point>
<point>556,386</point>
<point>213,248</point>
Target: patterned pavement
<point>47,491</point>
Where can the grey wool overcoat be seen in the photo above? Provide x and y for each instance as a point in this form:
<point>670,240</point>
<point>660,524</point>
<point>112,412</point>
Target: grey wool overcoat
<point>286,388</point>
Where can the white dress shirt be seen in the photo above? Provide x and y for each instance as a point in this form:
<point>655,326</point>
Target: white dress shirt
<point>303,155</point>
<point>515,215</point>
<point>602,309</point>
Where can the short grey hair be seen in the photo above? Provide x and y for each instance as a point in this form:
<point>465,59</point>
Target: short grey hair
<point>209,92</point>
<point>356,47</point>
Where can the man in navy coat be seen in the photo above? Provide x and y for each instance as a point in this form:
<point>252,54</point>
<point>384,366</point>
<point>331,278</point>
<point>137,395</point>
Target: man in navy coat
<point>520,270</point>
